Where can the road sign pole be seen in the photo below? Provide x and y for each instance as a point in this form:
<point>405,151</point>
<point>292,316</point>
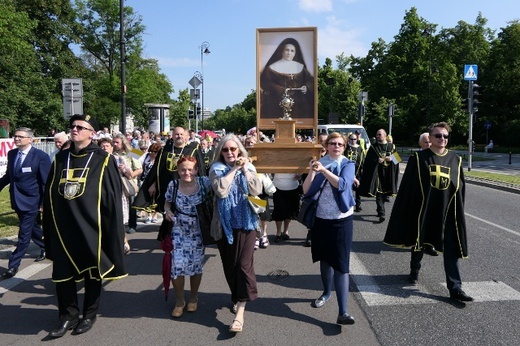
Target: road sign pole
<point>470,139</point>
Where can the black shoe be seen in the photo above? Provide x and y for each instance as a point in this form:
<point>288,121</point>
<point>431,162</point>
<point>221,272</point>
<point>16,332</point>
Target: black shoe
<point>63,327</point>
<point>84,326</point>
<point>381,219</point>
<point>40,258</point>
<point>345,319</point>
<point>430,250</point>
<point>285,236</point>
<point>460,295</point>
<point>10,273</point>
<point>308,239</point>
<point>358,209</point>
<point>414,276</point>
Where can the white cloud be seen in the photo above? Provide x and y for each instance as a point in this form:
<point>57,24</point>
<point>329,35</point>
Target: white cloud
<point>336,38</point>
<point>315,5</point>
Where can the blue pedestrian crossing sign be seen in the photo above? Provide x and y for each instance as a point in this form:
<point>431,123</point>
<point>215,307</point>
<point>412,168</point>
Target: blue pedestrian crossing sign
<point>470,72</point>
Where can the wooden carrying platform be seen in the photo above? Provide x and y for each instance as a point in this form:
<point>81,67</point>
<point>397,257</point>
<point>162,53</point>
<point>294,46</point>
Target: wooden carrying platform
<point>285,155</point>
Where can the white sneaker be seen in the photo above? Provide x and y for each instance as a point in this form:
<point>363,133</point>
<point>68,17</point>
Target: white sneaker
<point>148,220</point>
<point>130,230</point>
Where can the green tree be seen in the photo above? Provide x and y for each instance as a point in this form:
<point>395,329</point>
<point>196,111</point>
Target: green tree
<point>27,97</point>
<point>501,92</point>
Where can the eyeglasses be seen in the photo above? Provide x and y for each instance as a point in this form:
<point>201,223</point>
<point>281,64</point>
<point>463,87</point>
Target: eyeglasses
<point>79,128</point>
<point>232,149</point>
<point>336,144</point>
<point>353,139</point>
<point>20,137</point>
<point>440,135</point>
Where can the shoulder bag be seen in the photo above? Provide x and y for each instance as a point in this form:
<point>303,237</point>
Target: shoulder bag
<point>307,214</point>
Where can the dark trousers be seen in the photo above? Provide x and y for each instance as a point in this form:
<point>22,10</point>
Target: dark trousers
<point>380,204</point>
<point>358,199</point>
<point>451,260</point>
<point>132,213</point>
<point>237,261</point>
<point>68,299</point>
<point>29,229</point>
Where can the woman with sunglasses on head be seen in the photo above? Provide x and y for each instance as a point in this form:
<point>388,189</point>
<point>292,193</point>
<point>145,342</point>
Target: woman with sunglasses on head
<point>232,178</point>
<point>330,181</point>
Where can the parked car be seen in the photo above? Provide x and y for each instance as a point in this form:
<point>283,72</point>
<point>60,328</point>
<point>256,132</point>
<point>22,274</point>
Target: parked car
<point>345,129</point>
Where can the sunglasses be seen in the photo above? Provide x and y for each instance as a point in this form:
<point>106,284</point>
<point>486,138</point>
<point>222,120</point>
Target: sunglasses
<point>353,139</point>
<point>440,135</point>
<point>336,144</point>
<point>232,149</point>
<point>153,152</point>
<point>79,128</point>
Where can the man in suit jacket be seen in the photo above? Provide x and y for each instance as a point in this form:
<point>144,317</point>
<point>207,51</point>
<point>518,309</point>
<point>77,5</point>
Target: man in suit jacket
<point>27,170</point>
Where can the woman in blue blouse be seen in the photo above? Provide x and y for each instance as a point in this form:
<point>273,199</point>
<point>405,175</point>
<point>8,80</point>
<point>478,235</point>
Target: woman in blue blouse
<point>232,178</point>
<point>331,179</point>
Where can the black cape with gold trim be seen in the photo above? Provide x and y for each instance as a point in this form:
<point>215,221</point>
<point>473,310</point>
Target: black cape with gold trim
<point>379,178</point>
<point>84,231</point>
<point>430,199</point>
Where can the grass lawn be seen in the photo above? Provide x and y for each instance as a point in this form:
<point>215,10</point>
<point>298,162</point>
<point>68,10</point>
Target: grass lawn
<point>8,218</point>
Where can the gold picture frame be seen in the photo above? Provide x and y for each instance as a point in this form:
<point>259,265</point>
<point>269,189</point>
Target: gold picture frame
<point>287,68</point>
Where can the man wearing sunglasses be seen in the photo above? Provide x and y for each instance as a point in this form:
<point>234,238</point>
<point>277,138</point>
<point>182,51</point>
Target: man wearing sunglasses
<point>429,209</point>
<point>27,169</point>
<point>83,225</point>
<point>380,173</point>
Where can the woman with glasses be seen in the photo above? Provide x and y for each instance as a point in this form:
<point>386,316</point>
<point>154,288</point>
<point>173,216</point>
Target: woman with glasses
<point>232,178</point>
<point>330,181</point>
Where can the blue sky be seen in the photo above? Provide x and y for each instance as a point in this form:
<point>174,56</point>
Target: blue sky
<point>175,30</point>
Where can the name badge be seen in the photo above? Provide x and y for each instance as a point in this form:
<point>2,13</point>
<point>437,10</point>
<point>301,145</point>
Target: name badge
<point>26,170</point>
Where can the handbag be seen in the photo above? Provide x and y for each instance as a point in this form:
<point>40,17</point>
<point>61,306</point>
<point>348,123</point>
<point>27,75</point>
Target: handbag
<point>257,204</point>
<point>130,187</point>
<point>205,215</point>
<point>307,214</point>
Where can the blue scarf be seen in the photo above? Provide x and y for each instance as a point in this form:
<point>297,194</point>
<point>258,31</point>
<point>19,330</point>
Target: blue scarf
<point>234,210</point>
<point>332,164</point>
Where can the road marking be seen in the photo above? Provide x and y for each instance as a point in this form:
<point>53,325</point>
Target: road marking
<point>494,225</point>
<point>21,276</point>
<point>405,294</point>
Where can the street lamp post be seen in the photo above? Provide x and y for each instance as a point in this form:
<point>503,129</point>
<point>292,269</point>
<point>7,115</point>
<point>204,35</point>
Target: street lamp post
<point>204,49</point>
<point>123,58</point>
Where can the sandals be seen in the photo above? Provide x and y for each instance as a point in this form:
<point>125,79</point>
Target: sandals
<point>234,309</point>
<point>236,326</point>
<point>264,242</point>
<point>126,248</point>
<point>178,311</point>
<point>192,306</point>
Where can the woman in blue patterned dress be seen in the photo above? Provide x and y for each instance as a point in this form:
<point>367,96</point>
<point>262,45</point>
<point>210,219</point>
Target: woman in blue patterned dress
<point>182,196</point>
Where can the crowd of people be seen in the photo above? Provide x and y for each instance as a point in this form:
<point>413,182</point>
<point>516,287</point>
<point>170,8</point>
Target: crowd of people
<point>88,182</point>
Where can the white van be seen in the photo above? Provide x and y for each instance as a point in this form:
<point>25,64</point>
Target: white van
<point>345,129</point>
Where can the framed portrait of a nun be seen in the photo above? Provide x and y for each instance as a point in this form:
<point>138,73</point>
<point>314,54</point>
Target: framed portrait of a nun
<point>287,76</point>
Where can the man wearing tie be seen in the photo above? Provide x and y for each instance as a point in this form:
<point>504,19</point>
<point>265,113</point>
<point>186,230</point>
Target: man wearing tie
<point>27,170</point>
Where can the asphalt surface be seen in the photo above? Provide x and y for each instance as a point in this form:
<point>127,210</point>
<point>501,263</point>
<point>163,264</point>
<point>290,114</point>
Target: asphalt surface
<point>288,282</point>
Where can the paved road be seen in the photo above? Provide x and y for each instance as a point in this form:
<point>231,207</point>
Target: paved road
<point>133,310</point>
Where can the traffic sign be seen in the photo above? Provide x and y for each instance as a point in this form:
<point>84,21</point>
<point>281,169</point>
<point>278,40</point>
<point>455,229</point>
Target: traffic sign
<point>487,125</point>
<point>470,72</point>
<point>195,82</point>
